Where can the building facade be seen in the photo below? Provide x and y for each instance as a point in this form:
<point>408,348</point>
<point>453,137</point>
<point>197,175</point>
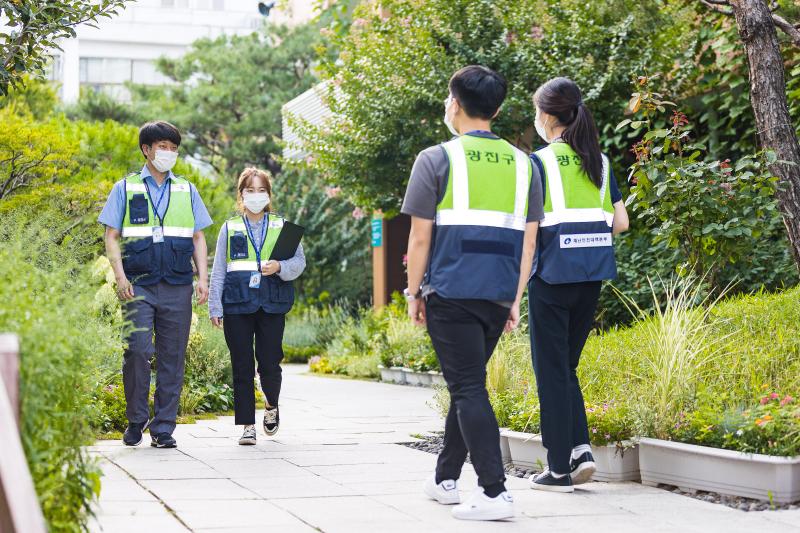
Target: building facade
<point>125,47</point>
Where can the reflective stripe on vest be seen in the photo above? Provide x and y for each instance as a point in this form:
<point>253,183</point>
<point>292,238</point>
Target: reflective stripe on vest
<point>237,224</point>
<point>559,212</point>
<point>178,218</point>
<point>461,214</point>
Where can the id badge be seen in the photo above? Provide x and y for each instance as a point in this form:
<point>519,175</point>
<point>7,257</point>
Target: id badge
<point>158,234</point>
<point>255,280</point>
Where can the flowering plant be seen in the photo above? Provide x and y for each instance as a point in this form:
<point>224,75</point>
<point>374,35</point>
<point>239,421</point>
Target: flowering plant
<point>771,426</point>
<point>609,423</point>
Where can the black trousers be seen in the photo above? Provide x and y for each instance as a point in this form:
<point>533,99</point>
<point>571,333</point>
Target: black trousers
<point>464,334</point>
<point>240,330</point>
<point>561,317</point>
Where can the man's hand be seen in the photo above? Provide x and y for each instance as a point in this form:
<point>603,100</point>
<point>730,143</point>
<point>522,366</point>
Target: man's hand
<point>416,311</point>
<point>124,289</point>
<point>271,267</point>
<point>201,291</point>
<point>216,321</point>
<point>513,318</point>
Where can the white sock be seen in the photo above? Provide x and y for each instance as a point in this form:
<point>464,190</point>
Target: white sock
<point>577,451</point>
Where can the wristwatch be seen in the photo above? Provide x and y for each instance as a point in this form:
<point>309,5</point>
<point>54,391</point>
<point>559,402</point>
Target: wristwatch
<point>410,297</point>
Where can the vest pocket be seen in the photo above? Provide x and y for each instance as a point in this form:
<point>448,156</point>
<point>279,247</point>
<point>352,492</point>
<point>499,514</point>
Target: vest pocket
<point>139,212</point>
<point>280,291</point>
<point>182,256</point>
<point>138,256</point>
<point>487,247</point>
<point>235,291</point>
<point>238,246</point>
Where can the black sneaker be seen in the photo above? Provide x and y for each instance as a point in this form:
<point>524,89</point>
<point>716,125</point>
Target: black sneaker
<point>133,435</point>
<point>582,469</point>
<point>546,481</point>
<point>163,440</point>
<point>272,421</point>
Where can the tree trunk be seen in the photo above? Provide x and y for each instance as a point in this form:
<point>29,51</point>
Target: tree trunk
<point>768,99</point>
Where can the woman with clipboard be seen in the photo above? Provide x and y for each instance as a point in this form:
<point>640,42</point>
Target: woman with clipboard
<point>251,292</point>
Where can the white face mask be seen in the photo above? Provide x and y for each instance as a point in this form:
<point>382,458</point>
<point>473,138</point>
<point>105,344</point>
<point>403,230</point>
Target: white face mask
<point>540,127</point>
<point>164,160</point>
<point>255,202</point>
<point>447,121</point>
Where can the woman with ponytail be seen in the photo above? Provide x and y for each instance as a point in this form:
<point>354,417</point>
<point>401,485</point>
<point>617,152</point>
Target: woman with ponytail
<point>583,209</point>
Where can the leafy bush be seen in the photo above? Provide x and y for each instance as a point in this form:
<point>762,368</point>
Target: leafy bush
<point>771,427</point>
<point>66,349</point>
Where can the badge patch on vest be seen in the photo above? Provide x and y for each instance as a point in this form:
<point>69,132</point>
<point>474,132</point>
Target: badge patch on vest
<point>585,240</point>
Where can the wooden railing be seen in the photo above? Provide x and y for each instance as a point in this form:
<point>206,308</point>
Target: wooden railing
<point>19,506</point>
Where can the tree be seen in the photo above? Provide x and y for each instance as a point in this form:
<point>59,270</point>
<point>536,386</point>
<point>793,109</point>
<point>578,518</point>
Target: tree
<point>36,26</point>
<point>230,91</point>
<point>757,25</point>
<point>389,82</point>
<point>31,152</point>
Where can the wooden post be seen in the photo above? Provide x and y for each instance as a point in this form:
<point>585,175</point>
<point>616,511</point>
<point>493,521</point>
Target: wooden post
<point>19,505</point>
<point>9,369</point>
<point>379,261</point>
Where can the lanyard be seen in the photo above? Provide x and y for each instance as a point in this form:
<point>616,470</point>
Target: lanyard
<point>480,131</point>
<point>160,198</point>
<point>257,247</point>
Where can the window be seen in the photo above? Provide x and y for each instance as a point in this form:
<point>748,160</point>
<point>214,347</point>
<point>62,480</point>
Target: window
<point>168,3</point>
<point>99,70</point>
<point>145,72</point>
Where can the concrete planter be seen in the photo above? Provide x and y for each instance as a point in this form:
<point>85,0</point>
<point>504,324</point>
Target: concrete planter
<point>420,379</point>
<point>693,467</point>
<point>505,450</point>
<point>437,378</point>
<point>613,464</point>
<point>392,375</point>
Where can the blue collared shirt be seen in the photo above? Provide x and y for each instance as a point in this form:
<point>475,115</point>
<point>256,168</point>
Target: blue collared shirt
<point>114,210</point>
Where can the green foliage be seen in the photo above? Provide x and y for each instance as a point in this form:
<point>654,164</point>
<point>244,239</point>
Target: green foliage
<point>771,426</point>
<point>714,212</point>
<point>36,26</point>
<point>31,153</point>
<point>67,348</point>
<point>231,109</point>
<point>336,244</point>
<point>388,85</point>
<point>36,97</point>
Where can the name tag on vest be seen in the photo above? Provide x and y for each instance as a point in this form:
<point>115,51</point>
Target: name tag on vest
<point>586,240</point>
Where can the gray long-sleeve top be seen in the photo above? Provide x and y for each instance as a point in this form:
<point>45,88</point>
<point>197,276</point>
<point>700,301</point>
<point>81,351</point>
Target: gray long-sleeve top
<point>290,268</point>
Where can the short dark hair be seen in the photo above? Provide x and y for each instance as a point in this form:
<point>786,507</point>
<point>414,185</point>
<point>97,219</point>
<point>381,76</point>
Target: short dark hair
<point>480,91</point>
<point>158,130</point>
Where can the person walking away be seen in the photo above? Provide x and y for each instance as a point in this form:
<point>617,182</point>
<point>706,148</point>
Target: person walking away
<point>475,207</point>
<point>583,209</point>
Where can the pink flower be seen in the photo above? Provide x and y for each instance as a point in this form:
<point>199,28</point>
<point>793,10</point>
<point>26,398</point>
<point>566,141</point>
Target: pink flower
<point>332,192</point>
<point>594,430</point>
<point>358,213</point>
<point>536,33</point>
<point>608,437</point>
<point>786,399</point>
<point>764,400</point>
<point>359,22</point>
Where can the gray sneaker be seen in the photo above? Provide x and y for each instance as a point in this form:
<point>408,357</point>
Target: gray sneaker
<point>248,438</point>
<point>272,420</point>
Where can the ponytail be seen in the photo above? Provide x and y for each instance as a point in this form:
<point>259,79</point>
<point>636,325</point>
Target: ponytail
<point>561,98</point>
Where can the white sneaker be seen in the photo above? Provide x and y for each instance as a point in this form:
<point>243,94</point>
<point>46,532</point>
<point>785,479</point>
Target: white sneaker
<point>445,492</point>
<point>481,507</point>
<point>248,437</point>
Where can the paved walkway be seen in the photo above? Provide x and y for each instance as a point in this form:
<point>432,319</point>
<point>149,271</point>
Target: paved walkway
<point>334,467</point>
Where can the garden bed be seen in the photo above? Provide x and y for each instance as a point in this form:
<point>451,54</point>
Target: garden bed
<point>693,467</point>
<point>614,463</point>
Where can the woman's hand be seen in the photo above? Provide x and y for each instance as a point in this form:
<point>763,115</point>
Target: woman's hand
<point>416,311</point>
<point>217,321</point>
<point>513,318</point>
<point>271,267</point>
<point>124,289</point>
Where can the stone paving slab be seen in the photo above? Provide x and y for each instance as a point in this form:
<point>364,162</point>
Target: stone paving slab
<point>335,467</point>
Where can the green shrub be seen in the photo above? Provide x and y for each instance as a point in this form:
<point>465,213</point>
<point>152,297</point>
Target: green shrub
<point>771,426</point>
<point>66,350</point>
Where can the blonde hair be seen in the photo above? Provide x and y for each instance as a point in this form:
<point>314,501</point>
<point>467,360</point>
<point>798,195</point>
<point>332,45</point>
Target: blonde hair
<point>246,180</point>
